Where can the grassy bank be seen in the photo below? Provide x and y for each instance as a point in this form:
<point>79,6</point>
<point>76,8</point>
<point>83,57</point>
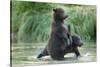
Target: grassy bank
<point>31,21</point>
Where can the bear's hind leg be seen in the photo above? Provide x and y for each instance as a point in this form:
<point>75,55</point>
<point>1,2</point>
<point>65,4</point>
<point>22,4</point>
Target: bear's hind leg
<point>58,55</point>
<point>44,53</point>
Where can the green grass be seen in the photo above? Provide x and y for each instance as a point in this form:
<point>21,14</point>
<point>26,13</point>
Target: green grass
<point>22,54</point>
<point>31,21</point>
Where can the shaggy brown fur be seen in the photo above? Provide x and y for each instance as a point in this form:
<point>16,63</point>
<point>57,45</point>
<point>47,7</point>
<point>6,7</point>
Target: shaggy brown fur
<point>59,38</point>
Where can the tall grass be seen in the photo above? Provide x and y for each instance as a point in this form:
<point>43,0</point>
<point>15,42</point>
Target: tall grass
<point>35,28</point>
<point>32,21</point>
<point>83,22</point>
<point>20,8</point>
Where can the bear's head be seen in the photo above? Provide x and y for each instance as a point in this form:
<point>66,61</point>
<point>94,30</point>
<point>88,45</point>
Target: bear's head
<point>59,14</point>
<point>76,41</point>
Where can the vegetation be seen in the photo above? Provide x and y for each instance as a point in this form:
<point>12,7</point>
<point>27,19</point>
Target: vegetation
<point>31,21</point>
<point>31,26</point>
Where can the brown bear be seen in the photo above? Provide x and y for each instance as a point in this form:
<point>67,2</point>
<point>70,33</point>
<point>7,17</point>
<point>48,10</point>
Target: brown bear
<point>59,37</point>
<point>76,42</point>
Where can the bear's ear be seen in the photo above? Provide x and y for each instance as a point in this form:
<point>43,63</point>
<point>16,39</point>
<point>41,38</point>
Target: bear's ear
<point>54,10</point>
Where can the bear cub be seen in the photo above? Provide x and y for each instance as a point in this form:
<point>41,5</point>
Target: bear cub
<point>76,42</point>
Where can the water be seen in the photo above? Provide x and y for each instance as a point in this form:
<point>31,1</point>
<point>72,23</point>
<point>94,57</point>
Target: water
<point>24,54</point>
